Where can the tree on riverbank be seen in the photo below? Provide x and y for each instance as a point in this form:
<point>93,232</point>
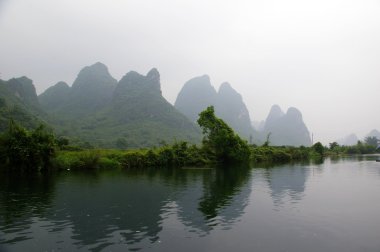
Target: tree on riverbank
<point>220,140</point>
<point>26,150</point>
<point>319,149</point>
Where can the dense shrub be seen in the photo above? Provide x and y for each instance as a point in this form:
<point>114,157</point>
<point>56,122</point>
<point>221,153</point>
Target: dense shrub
<point>26,150</point>
<point>279,154</point>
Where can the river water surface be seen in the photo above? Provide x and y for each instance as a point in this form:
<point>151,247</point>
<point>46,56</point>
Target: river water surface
<point>330,206</point>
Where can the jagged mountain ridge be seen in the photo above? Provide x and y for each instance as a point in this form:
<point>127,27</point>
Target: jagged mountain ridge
<point>133,113</point>
<point>91,90</point>
<point>130,113</point>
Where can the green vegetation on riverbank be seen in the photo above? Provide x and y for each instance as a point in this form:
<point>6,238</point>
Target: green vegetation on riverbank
<point>176,155</point>
<point>38,149</point>
<point>368,146</point>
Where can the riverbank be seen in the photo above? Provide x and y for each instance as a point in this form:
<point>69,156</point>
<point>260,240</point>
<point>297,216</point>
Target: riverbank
<point>177,155</point>
<point>39,149</point>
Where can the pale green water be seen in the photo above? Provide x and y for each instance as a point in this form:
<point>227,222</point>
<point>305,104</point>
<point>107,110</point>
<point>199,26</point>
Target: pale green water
<point>333,206</point>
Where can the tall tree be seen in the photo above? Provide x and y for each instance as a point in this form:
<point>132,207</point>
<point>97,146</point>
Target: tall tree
<point>220,140</point>
<point>371,140</point>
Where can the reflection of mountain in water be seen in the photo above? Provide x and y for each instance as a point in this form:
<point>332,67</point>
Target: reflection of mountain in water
<point>286,181</point>
<point>221,197</point>
<point>132,207</point>
<point>91,211</point>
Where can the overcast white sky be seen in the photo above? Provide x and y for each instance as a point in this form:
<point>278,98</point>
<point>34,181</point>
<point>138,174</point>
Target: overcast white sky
<point>322,57</point>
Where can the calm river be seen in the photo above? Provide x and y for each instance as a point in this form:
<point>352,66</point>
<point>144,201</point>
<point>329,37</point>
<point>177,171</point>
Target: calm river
<point>331,206</point>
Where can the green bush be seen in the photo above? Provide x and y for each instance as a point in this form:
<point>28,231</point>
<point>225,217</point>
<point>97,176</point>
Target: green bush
<point>220,141</point>
<point>26,150</point>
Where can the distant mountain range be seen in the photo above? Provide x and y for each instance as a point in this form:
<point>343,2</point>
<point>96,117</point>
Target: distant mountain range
<point>284,129</point>
<point>349,140</point>
<point>126,114</point>
<point>374,133</point>
<point>198,93</point>
<point>100,111</point>
<point>353,139</point>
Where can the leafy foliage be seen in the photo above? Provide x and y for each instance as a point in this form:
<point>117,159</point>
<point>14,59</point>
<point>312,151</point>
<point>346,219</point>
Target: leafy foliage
<point>220,140</point>
<point>372,141</point>
<point>368,147</point>
<point>178,155</point>
<point>279,154</point>
<point>26,150</point>
<point>319,149</point>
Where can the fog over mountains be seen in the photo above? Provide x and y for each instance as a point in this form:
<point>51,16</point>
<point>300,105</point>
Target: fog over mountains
<point>198,93</point>
<point>353,139</point>
<point>284,129</point>
<point>97,110</point>
<point>315,56</point>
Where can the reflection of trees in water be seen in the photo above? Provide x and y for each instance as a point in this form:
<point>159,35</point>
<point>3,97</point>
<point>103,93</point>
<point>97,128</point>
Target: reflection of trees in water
<point>130,206</point>
<point>23,196</point>
<point>97,209</point>
<point>287,181</point>
<point>221,197</point>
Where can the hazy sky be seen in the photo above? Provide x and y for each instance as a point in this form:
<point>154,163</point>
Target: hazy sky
<point>322,57</point>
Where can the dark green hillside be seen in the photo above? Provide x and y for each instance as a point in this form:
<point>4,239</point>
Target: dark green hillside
<point>128,114</point>
<point>138,116</point>
<point>18,101</point>
<point>55,96</point>
<point>24,90</point>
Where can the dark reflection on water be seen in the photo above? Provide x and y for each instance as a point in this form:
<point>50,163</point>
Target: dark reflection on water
<point>313,206</point>
<point>95,210</point>
<point>23,197</point>
<point>286,181</point>
<point>219,198</point>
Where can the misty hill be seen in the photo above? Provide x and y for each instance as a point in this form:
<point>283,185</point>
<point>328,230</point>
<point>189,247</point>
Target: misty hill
<point>231,108</point>
<point>349,140</point>
<point>128,114</point>
<point>24,90</point>
<point>374,133</point>
<point>286,128</point>
<point>91,90</point>
<point>55,96</point>
<point>18,100</point>
<point>195,96</point>
<point>258,125</point>
<point>353,139</point>
<point>198,93</point>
